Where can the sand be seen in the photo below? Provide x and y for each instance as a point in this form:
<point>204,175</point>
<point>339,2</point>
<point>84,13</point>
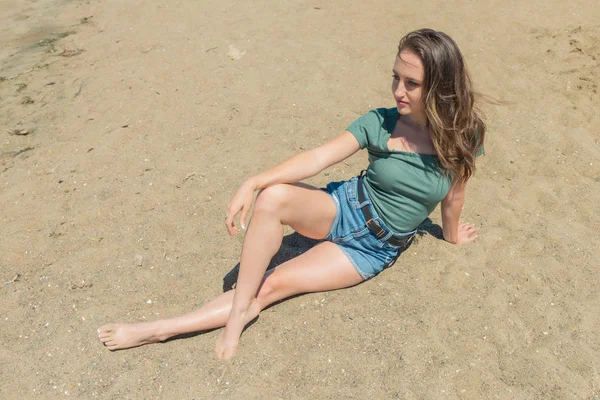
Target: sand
<point>126,127</point>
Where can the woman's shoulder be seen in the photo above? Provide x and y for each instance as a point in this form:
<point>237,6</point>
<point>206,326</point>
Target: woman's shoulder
<point>370,128</point>
<point>378,118</point>
<point>383,114</point>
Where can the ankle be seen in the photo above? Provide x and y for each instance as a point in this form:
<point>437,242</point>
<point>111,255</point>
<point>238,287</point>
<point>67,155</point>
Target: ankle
<point>242,309</point>
<point>160,331</point>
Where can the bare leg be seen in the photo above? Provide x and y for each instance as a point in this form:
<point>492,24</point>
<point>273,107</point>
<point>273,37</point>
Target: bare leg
<point>324,267</point>
<point>310,212</point>
<point>307,210</point>
<point>211,315</point>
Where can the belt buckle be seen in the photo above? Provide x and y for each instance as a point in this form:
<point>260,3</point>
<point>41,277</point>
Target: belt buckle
<point>375,228</point>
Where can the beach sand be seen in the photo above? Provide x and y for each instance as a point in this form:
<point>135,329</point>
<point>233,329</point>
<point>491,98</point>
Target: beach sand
<point>127,126</point>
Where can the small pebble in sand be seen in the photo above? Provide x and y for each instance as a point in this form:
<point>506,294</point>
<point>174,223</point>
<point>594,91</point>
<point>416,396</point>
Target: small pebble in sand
<point>234,53</point>
<point>138,259</point>
<point>19,132</point>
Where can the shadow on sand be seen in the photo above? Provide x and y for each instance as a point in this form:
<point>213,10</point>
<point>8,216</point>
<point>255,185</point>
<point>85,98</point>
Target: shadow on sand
<point>295,244</point>
<point>292,246</point>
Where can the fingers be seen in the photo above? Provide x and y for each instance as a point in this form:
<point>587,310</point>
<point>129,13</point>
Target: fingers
<point>229,220</point>
<point>241,202</point>
<point>231,229</point>
<point>469,232</point>
<point>243,217</point>
<point>471,236</point>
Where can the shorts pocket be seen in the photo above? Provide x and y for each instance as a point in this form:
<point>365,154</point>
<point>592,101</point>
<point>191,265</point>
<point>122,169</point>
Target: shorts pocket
<point>355,235</point>
<point>352,193</point>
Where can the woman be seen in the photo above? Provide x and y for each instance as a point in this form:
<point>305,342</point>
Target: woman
<point>421,153</point>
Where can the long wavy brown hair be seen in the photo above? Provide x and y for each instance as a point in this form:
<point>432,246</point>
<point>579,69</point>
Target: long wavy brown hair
<point>454,124</point>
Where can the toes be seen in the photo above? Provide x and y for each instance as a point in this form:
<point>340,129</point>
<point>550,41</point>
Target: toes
<point>225,353</point>
<point>220,352</point>
<point>106,328</point>
<point>111,344</point>
<point>105,332</point>
<point>228,354</point>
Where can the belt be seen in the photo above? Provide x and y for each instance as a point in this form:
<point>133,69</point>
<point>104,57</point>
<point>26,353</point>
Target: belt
<point>373,225</point>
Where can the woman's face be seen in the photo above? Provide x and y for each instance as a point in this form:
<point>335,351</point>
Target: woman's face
<point>407,86</point>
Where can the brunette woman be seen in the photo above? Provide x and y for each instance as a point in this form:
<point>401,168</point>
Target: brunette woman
<point>421,153</point>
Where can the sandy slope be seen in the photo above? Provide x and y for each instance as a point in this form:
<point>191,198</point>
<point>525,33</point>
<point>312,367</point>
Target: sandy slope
<point>142,118</point>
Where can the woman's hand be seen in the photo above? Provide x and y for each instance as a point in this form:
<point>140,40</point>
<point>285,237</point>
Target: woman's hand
<point>466,233</point>
<point>241,202</point>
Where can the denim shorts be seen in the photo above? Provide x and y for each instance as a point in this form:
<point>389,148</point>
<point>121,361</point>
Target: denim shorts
<point>369,254</point>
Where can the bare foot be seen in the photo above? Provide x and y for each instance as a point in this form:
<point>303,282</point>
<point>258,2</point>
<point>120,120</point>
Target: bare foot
<point>227,344</point>
<point>125,336</point>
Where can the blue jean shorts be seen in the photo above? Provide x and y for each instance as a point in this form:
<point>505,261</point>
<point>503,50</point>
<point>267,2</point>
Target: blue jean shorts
<point>369,254</point>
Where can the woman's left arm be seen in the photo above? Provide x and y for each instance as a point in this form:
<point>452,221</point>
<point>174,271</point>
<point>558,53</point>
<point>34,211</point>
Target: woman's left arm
<point>454,231</point>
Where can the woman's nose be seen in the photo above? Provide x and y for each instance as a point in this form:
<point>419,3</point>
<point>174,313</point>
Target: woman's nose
<point>399,92</point>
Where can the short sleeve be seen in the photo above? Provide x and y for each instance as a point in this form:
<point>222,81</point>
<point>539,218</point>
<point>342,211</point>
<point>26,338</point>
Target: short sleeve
<point>480,152</point>
<point>366,128</point>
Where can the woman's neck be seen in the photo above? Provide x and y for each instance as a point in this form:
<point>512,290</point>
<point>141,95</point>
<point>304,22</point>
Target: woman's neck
<point>413,123</point>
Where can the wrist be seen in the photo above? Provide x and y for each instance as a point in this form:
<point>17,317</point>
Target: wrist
<point>450,238</point>
<point>253,182</point>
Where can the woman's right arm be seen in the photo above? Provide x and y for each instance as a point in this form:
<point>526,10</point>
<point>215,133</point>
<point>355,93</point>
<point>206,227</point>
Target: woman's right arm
<point>308,163</point>
<point>296,169</point>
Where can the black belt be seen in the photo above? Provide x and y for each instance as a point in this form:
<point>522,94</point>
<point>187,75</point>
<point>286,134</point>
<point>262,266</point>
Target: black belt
<point>374,226</point>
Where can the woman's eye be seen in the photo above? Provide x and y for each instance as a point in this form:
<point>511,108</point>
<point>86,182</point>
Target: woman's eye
<point>395,77</point>
<point>411,83</point>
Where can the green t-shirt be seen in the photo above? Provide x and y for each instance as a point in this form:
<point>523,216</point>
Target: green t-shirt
<point>404,187</point>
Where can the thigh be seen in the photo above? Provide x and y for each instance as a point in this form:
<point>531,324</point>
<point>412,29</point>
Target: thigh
<point>306,209</point>
<point>322,268</point>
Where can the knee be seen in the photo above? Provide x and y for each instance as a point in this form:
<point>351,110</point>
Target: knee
<point>272,198</point>
<point>269,289</point>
